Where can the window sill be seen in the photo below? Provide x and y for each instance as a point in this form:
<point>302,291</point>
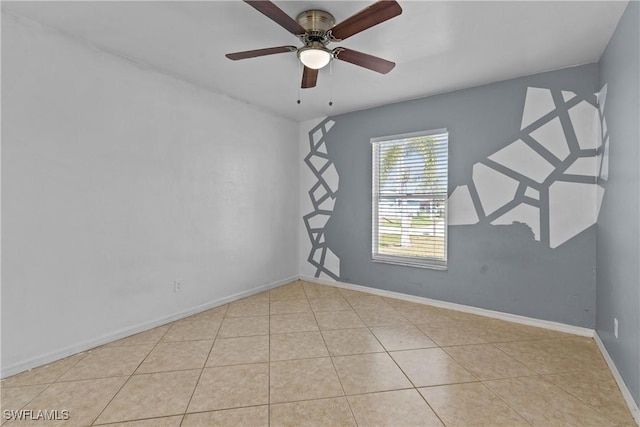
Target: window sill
<point>431,264</point>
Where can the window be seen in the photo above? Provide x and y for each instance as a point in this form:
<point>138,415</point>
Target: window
<point>410,199</point>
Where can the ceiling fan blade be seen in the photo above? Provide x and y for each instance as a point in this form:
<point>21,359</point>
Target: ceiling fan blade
<point>260,52</point>
<point>366,18</point>
<point>363,60</point>
<point>309,78</point>
<point>276,14</point>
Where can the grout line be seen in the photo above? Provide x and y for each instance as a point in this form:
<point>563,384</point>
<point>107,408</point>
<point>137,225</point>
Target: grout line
<point>204,365</point>
<point>132,373</point>
<point>504,401</point>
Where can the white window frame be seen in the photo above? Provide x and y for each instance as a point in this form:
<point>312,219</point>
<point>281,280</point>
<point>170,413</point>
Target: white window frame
<point>413,261</point>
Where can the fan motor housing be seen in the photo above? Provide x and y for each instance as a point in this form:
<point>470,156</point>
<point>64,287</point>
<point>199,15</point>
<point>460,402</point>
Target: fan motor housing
<point>316,21</point>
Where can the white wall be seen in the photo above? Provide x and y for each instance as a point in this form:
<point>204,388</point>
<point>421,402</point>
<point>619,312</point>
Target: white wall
<point>116,180</point>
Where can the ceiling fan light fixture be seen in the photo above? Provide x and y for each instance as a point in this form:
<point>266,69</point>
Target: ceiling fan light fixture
<point>314,57</point>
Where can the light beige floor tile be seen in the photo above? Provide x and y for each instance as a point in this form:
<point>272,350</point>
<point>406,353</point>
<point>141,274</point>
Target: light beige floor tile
<point>351,341</point>
<point>286,323</point>
<point>338,319</point>
<point>151,396</point>
<point>460,316</point>
<point>291,291</point>
<point>431,366</point>
<point>252,306</point>
<point>399,303</point>
<point>107,361</point>
<point>329,304</point>
<point>598,389</point>
<point>150,422</point>
<point>253,416</point>
<point>297,345</point>
<point>14,398</point>
<point>239,351</point>
<point>303,379</point>
<point>174,356</point>
<point>449,333</point>
<point>231,387</point>
<point>541,358</point>
<point>349,294</point>
<point>244,326</point>
<point>542,403</point>
<point>193,330</point>
<point>151,336</point>
<point>497,331</point>
<point>536,333</point>
<point>366,373</point>
<point>211,315</point>
<point>470,404</point>
<point>402,337</point>
<point>583,349</point>
<point>44,374</point>
<point>381,317</point>
<point>424,314</point>
<point>333,412</point>
<point>315,291</point>
<point>392,408</point>
<point>83,399</point>
<point>289,306</point>
<point>370,302</point>
<point>487,362</point>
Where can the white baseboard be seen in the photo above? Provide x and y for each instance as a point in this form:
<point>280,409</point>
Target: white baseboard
<point>626,394</point>
<point>123,333</point>
<point>554,326</point>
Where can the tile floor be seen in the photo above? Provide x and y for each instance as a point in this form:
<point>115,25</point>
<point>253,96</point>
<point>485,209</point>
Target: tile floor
<point>305,354</point>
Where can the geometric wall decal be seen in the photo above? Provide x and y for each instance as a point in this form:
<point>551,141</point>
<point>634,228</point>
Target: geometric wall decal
<point>317,136</point>
<point>521,158</point>
<point>494,188</point>
<point>587,166</point>
<point>322,148</point>
<point>532,192</point>
<point>599,197</point>
<point>323,196</point>
<point>551,137</point>
<point>603,150</point>
<point>318,162</point>
<point>461,210</point>
<point>331,262</point>
<point>567,95</point>
<point>330,175</point>
<point>604,166</point>
<point>317,220</point>
<point>585,121</point>
<point>546,174</point>
<point>538,102</point>
<point>602,98</point>
<point>522,213</point>
<point>572,208</point>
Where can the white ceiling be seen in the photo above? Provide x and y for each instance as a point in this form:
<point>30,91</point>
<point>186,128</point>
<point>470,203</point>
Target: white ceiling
<point>438,46</point>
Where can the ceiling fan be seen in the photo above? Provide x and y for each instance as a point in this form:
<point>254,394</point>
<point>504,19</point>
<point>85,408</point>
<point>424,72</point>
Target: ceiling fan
<point>316,29</point>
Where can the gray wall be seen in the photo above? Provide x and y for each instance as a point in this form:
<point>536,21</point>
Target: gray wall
<point>618,278</point>
<point>498,267</point>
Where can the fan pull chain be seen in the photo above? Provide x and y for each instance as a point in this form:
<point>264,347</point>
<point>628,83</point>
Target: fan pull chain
<point>330,83</point>
<point>299,78</point>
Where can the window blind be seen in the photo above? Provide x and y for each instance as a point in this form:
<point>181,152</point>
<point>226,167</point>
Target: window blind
<point>410,199</point>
